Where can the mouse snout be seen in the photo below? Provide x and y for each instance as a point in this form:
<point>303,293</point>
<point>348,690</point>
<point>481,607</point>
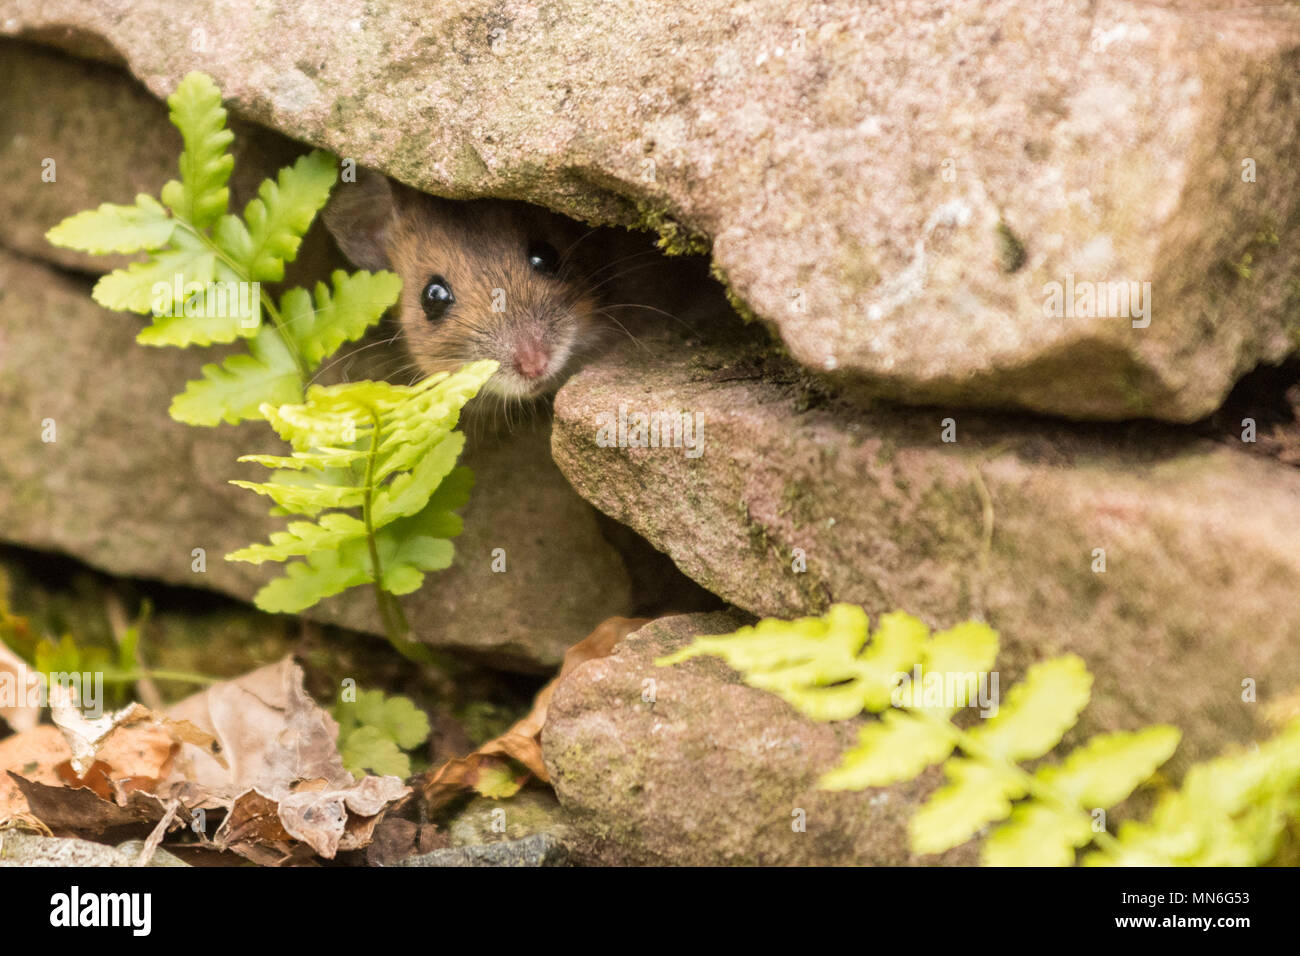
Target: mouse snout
<point>531,358</point>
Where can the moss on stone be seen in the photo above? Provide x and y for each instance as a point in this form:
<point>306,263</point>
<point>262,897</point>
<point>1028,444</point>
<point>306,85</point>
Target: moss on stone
<point>1262,242</point>
<point>737,304</point>
<point>1011,251</point>
<point>675,239</point>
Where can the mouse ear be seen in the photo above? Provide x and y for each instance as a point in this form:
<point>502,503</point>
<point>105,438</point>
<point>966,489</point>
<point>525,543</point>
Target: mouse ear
<point>359,216</point>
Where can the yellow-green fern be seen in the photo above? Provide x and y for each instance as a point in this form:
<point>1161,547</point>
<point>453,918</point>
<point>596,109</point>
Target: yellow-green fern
<point>833,667</point>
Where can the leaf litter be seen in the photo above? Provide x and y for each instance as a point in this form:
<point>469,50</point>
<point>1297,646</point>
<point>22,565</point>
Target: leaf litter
<point>257,749</point>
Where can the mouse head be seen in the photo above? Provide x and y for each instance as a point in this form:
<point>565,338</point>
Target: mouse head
<point>481,279</point>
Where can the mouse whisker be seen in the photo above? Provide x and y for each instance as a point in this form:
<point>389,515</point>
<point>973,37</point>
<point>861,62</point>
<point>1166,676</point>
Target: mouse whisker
<point>650,308</point>
<point>611,272</point>
<point>573,246</point>
<point>624,329</point>
<point>352,354</point>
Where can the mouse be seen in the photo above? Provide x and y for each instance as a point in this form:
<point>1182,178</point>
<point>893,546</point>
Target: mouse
<point>485,279</point>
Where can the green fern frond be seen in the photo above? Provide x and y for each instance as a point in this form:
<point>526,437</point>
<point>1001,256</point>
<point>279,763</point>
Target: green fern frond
<point>897,748</point>
<point>977,793</point>
<point>338,315</point>
<point>375,729</point>
<point>201,196</point>
<point>279,217</point>
<point>201,282</point>
<point>234,390</point>
<point>1038,711</point>
<point>1234,810</point>
<point>386,451</point>
<point>113,228</point>
<point>389,450</point>
<point>830,667</point>
<point>147,287</point>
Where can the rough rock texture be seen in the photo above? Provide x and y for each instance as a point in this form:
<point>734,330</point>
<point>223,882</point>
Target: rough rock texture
<point>540,849</point>
<point>711,772</point>
<point>108,140</point>
<point>128,490</point>
<point>28,849</point>
<point>529,813</point>
<point>1202,559</point>
<point>893,186</point>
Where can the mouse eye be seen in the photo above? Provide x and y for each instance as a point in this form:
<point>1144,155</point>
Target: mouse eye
<point>436,298</point>
<point>543,258</point>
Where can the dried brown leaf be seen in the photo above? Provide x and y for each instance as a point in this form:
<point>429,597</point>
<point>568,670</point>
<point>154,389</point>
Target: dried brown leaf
<point>285,782</point>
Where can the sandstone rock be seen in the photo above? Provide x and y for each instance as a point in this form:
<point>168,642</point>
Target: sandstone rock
<point>108,140</point>
<point>531,812</point>
<point>1202,560</point>
<point>28,849</point>
<point>126,489</point>
<point>711,772</point>
<point>541,849</point>
<point>894,188</point>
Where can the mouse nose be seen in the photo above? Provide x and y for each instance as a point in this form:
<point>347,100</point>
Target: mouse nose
<point>531,359</point>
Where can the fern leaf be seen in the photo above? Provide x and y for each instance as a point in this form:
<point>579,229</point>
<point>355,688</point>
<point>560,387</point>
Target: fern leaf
<point>323,574</point>
<point>201,196</point>
<point>357,301</point>
<point>953,662</point>
<point>302,460</point>
<point>307,497</point>
<point>397,718</point>
<point>413,546</point>
<point>339,433</point>
<point>1037,835</point>
<point>406,558</point>
<point>113,228</point>
<point>425,415</point>
<point>1038,711</point>
<point>304,538</point>
<point>817,664</point>
<point>408,491</point>
<point>1230,811</point>
<point>1109,767</point>
<point>149,286</point>
<point>976,794</point>
<point>196,298</point>
<point>897,747</point>
<point>279,217</point>
<point>332,416</point>
<point>368,748</point>
<point>233,391</point>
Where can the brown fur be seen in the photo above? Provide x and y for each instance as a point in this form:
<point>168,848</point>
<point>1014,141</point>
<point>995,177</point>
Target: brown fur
<point>480,248</point>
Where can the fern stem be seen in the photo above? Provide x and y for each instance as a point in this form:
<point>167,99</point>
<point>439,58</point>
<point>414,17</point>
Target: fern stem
<point>148,673</point>
<point>390,612</point>
<point>376,569</point>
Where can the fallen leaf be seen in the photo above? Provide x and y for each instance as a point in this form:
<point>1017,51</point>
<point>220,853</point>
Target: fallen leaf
<point>90,777</point>
<point>395,839</point>
<point>79,810</point>
<point>257,747</point>
<point>284,783</point>
<point>136,742</point>
<point>34,755</point>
